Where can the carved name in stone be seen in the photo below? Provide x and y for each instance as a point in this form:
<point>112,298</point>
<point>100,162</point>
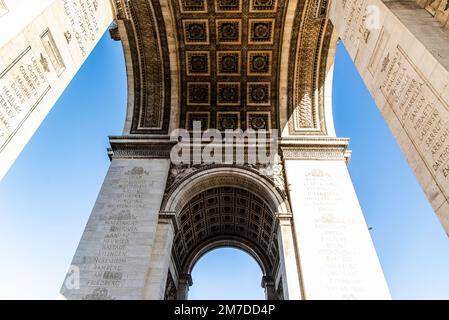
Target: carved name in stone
<point>355,27</point>
<point>23,85</point>
<point>83,22</point>
<point>421,111</point>
<point>333,245</point>
<point>121,227</point>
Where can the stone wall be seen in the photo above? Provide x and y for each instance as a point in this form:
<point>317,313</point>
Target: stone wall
<point>122,238</point>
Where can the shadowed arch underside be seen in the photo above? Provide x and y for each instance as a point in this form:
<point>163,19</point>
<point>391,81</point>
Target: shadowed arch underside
<point>230,64</point>
<point>226,215</point>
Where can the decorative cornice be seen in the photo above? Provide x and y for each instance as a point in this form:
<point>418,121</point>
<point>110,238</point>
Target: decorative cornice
<point>316,149</point>
<point>171,217</point>
<point>114,31</point>
<point>129,147</point>
<point>186,279</point>
<point>285,218</point>
<point>267,281</point>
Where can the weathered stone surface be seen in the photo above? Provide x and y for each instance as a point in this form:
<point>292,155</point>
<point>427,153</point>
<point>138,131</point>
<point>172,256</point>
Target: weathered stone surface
<point>336,255</point>
<point>118,244</point>
<point>438,9</point>
<point>289,272</point>
<point>155,287</point>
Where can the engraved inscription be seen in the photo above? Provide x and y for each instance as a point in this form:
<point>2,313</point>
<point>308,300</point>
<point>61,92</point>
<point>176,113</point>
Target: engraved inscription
<point>22,87</point>
<point>421,111</point>
<point>355,30</point>
<point>121,231</point>
<point>83,22</point>
<point>334,246</point>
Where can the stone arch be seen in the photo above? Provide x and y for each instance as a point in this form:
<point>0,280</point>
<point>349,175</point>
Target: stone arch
<point>226,206</point>
<point>226,216</point>
<point>302,68</point>
<point>144,29</point>
<point>306,73</point>
<point>214,176</point>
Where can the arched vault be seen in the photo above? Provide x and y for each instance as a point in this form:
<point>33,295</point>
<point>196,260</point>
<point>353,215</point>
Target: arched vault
<point>229,64</point>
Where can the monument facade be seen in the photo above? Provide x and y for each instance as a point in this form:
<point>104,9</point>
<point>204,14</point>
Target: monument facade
<point>227,65</point>
<point>199,69</point>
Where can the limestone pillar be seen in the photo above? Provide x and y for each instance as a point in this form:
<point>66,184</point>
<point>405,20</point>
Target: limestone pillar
<point>337,259</point>
<point>290,272</point>
<point>43,43</point>
<point>184,283</point>
<point>270,288</point>
<point>124,236</point>
<point>402,54</point>
<point>160,260</point>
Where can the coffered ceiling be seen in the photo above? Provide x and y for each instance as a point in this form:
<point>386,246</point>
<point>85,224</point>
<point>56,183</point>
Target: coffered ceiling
<point>229,52</point>
<point>229,64</point>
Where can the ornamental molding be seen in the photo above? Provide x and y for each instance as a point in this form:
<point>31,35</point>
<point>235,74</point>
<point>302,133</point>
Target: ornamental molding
<point>307,75</point>
<point>120,9</point>
<point>316,149</point>
<point>139,147</point>
<point>273,173</point>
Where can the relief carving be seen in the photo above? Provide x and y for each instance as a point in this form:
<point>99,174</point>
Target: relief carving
<point>308,54</point>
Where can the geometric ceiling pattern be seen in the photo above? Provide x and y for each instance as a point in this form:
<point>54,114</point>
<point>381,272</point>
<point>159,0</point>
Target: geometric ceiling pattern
<point>229,52</point>
<point>231,213</point>
<point>219,62</point>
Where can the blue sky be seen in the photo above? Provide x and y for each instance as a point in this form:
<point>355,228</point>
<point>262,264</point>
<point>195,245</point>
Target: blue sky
<point>47,195</point>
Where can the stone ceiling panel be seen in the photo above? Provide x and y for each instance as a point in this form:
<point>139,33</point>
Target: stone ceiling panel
<point>226,211</point>
<point>225,66</point>
<point>230,51</point>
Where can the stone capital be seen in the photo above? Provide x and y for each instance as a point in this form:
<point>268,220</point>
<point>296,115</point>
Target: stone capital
<point>267,281</point>
<point>186,279</point>
<point>315,149</point>
<point>285,219</point>
<point>140,147</point>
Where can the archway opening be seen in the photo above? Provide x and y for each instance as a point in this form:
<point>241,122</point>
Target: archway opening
<point>226,217</point>
<point>227,273</point>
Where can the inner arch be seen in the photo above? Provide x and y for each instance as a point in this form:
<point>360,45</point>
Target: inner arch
<point>227,216</point>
